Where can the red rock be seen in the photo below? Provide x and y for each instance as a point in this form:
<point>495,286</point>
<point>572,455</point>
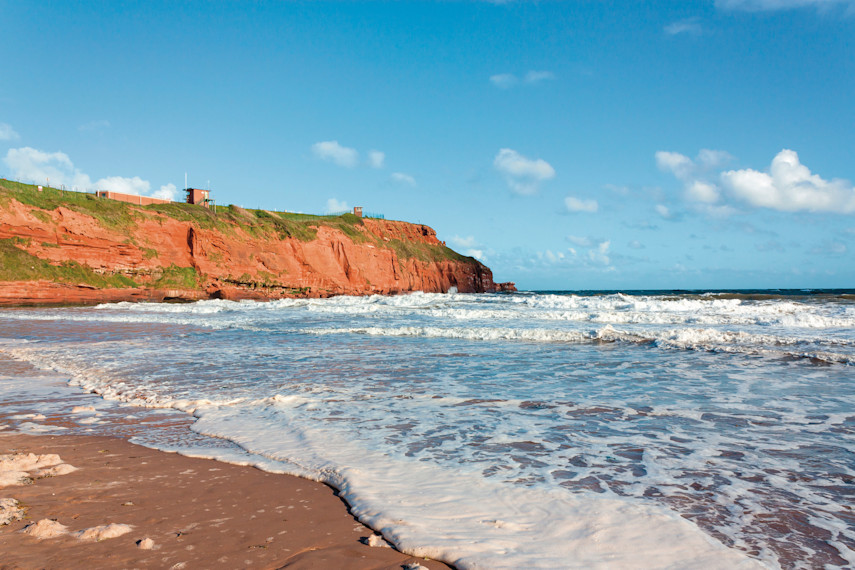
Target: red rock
<point>232,264</point>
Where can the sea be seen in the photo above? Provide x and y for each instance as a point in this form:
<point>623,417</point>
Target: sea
<point>553,429</point>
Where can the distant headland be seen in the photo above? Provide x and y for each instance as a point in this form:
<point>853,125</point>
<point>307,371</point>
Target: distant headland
<point>62,247</point>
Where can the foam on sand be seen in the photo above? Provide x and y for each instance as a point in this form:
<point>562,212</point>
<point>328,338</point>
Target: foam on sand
<point>45,528</point>
<point>21,468</point>
<point>10,511</point>
<point>103,532</point>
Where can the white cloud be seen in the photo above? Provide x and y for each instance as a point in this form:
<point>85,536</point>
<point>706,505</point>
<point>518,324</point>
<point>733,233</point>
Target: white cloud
<point>635,244</point>
<point>508,80</point>
<point>522,174</point>
<point>334,152</point>
<point>54,168</point>
<point>504,80</point>
<point>580,241</point>
<point>595,251</point>
<point>690,26</point>
<point>696,174</point>
<point>402,178</point>
<point>600,254</point>
<point>166,192</point>
<point>700,191</point>
<point>7,133</point>
<point>534,77</point>
<point>464,242</point>
<point>334,206</point>
<point>677,164</point>
<point>663,211</point>
<point>775,5</point>
<point>790,186</point>
<point>713,158</point>
<point>376,158</point>
<point>135,185</point>
<point>476,253</point>
<point>576,205</point>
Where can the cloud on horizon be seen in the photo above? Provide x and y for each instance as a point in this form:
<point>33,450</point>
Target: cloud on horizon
<point>523,175</point>
<point>331,151</point>
<point>334,206</point>
<point>56,168</point>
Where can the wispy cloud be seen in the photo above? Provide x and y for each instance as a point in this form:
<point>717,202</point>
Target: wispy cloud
<point>469,246</point>
<point>504,80</point>
<point>691,26</point>
<point>333,152</point>
<point>697,175</point>
<point>592,251</point>
<point>523,175</point>
<point>574,204</point>
<point>94,126</point>
<point>468,241</point>
<point>402,178</point>
<point>534,77</point>
<point>7,133</point>
<point>508,80</point>
<point>376,158</point>
<point>776,5</point>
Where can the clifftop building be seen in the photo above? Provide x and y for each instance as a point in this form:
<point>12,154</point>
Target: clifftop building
<point>198,196</point>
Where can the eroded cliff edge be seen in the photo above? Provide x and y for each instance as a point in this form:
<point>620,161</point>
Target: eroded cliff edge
<point>68,247</point>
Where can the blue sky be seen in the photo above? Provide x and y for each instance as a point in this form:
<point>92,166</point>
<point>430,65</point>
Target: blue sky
<point>569,145</point>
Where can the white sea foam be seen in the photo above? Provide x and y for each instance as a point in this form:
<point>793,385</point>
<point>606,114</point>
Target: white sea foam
<point>521,409</point>
<point>454,516</point>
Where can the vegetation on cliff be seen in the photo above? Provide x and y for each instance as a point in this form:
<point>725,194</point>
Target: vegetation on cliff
<point>18,265</point>
<point>74,242</point>
<point>123,217</point>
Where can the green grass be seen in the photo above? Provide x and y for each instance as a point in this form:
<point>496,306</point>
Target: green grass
<point>175,277</point>
<point>111,213</point>
<point>261,224</point>
<point>18,265</point>
<point>424,251</point>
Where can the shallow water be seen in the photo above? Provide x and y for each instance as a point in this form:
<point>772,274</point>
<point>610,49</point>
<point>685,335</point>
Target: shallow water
<point>733,411</point>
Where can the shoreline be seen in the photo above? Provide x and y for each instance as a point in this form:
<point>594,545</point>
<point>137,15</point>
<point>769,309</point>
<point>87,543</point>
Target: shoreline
<point>199,512</point>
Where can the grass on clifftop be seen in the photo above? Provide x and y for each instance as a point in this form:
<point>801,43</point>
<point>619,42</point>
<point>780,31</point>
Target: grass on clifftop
<point>18,265</point>
<point>121,216</point>
<point>112,214</point>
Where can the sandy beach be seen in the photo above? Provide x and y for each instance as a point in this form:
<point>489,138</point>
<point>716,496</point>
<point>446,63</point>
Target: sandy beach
<point>182,513</point>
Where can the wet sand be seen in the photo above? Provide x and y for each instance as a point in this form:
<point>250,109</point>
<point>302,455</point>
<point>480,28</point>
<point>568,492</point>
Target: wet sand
<point>198,513</point>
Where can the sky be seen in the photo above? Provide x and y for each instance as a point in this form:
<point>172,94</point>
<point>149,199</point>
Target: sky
<point>573,144</point>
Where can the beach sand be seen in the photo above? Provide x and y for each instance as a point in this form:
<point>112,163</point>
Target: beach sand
<point>198,513</point>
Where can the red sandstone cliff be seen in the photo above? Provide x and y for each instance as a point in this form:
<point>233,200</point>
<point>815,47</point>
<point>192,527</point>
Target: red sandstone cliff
<point>233,260</point>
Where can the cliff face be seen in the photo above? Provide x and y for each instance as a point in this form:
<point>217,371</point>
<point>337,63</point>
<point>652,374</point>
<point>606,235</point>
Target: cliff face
<point>77,254</point>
